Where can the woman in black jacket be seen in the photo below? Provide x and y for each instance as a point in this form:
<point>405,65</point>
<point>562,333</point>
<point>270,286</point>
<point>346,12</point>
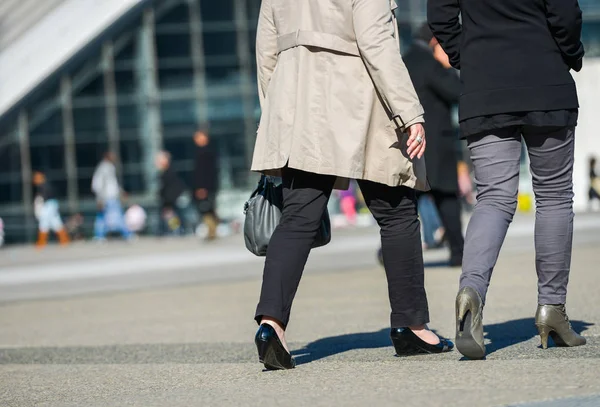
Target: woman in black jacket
<point>172,193</point>
<point>515,58</point>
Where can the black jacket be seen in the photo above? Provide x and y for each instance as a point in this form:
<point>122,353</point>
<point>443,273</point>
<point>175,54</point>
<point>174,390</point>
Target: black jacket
<point>171,188</point>
<point>514,55</point>
<point>438,89</point>
<point>206,173</point>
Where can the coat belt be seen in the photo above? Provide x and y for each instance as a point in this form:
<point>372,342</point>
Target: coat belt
<point>316,39</point>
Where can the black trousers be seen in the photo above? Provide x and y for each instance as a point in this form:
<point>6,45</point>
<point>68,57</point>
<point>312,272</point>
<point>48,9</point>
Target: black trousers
<point>305,198</point>
<point>448,206</point>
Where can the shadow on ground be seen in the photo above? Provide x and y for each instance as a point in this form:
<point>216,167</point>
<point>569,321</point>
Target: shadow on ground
<point>501,335</point>
<point>510,333</point>
<point>326,347</point>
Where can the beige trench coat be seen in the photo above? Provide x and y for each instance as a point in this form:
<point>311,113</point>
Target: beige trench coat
<point>334,92</point>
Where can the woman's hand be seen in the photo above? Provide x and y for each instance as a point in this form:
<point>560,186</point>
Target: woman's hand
<point>416,141</point>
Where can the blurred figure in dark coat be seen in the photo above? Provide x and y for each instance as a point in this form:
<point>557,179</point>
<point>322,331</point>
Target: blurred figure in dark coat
<point>206,181</point>
<point>438,87</point>
<point>594,191</point>
<point>174,197</point>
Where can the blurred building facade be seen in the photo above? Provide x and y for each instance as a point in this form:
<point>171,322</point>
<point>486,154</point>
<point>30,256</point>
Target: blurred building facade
<point>143,80</point>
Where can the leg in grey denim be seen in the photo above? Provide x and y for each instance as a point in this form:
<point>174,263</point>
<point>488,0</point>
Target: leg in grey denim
<point>496,161</point>
<point>496,158</point>
<point>551,154</point>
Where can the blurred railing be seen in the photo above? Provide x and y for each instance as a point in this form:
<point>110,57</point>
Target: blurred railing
<point>18,16</point>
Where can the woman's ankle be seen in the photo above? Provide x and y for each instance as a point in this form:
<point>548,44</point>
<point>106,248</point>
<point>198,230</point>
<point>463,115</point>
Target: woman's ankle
<point>274,322</point>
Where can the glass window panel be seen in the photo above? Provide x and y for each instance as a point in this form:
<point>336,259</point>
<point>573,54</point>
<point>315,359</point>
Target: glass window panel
<point>227,72</point>
<point>11,192</point>
<point>173,45</point>
<point>128,116</point>
<point>89,154</point>
<point>84,188</point>
<point>47,123</point>
<point>87,71</point>
<point>181,148</point>
<point>46,158</point>
<point>591,38</point>
<point>127,53</point>
<point>213,11</point>
<point>178,14</point>
<point>93,87</point>
<point>89,119</point>
<point>179,112</point>
<point>223,109</point>
<point>253,10</point>
<point>176,79</point>
<point>10,156</point>
<point>45,98</point>
<point>131,151</point>
<point>228,140</point>
<point>240,173</point>
<point>125,82</point>
<point>133,182</point>
<point>220,43</point>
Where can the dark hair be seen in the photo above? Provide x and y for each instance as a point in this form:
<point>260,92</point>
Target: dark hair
<point>592,162</point>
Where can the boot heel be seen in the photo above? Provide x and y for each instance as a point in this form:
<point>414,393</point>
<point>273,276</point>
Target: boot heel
<point>544,332</point>
<point>462,307</point>
<point>469,324</point>
<point>553,321</point>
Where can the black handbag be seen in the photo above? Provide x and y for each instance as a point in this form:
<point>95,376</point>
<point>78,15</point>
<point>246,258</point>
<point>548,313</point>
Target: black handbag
<point>263,213</point>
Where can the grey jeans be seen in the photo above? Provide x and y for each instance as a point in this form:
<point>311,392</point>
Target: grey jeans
<point>496,160</point>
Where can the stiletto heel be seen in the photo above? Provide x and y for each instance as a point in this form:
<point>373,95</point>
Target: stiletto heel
<point>544,333</point>
<point>271,351</point>
<point>552,321</point>
<point>469,324</point>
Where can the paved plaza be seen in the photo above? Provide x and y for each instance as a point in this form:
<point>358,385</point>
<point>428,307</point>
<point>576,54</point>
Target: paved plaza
<point>169,323</point>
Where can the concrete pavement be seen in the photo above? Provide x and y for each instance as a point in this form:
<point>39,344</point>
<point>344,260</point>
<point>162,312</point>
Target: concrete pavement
<point>182,336</point>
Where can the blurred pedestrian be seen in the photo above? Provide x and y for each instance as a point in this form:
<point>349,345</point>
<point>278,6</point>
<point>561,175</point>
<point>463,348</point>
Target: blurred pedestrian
<point>174,195</point>
<point>206,182</point>
<point>74,225</point>
<point>348,204</point>
<point>48,212</point>
<point>465,184</point>
<point>336,105</point>
<point>515,58</point>
<point>594,191</point>
<point>432,228</point>
<point>105,186</point>
<point>439,88</point>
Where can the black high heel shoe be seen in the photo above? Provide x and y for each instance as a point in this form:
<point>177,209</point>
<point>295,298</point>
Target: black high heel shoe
<point>469,324</point>
<point>271,352</point>
<point>407,343</point>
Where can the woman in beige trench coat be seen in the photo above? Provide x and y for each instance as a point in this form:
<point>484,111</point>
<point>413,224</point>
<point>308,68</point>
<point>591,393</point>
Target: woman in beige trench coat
<point>338,103</point>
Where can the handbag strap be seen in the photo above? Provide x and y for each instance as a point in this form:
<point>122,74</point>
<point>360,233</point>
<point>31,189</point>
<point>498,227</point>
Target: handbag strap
<point>262,183</point>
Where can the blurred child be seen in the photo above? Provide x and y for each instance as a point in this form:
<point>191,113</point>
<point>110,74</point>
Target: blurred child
<point>48,214</point>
